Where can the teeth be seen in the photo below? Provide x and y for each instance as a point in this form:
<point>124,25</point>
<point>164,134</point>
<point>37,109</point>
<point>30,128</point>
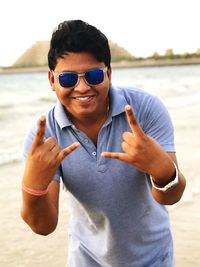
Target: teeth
<point>83,98</point>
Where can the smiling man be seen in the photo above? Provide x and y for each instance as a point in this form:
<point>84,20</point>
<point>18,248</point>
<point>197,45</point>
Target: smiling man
<point>113,148</point>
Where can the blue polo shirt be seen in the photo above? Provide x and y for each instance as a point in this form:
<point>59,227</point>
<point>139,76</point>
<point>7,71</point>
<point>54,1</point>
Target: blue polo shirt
<point>114,222</point>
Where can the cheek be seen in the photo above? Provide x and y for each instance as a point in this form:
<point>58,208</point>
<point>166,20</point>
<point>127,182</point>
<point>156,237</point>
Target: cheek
<point>102,91</point>
<point>104,87</point>
<point>62,94</point>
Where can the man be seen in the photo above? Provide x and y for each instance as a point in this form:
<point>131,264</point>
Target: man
<point>113,148</point>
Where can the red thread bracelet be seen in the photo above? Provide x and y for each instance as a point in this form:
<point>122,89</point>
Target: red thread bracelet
<point>33,191</point>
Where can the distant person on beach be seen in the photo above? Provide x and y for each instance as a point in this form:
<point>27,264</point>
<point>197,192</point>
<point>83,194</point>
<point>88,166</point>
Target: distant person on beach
<point>113,148</point>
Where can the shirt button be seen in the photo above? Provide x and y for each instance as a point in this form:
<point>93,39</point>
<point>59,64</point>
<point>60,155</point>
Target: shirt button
<point>94,153</point>
<point>86,141</point>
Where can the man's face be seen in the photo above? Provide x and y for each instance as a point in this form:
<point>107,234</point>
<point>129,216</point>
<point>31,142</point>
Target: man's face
<point>83,100</point>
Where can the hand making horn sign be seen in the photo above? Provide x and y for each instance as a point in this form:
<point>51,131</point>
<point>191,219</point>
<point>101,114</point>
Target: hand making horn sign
<point>43,159</point>
<point>143,152</point>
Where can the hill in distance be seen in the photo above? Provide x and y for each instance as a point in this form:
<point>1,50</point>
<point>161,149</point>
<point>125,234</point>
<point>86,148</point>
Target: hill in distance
<point>36,56</point>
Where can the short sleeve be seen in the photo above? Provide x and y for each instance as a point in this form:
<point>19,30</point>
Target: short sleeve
<point>158,124</point>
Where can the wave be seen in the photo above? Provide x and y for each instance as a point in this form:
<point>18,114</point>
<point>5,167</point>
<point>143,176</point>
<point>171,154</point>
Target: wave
<point>9,159</point>
<point>183,100</point>
<point>47,99</point>
<point>4,106</point>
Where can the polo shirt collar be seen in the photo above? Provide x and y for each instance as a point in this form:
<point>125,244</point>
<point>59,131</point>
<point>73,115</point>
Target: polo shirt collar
<point>117,101</point>
<point>61,116</point>
<point>117,104</point>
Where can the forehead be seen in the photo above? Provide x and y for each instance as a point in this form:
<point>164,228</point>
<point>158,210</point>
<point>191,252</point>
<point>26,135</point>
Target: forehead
<point>78,62</point>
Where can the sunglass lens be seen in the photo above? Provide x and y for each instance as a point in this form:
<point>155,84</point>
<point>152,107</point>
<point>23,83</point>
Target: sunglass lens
<point>68,79</point>
<point>95,76</point>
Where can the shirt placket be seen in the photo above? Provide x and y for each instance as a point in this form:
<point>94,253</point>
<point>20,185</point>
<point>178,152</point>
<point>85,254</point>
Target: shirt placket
<point>86,143</point>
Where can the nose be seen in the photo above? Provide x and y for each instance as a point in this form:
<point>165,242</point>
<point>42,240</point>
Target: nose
<point>82,85</point>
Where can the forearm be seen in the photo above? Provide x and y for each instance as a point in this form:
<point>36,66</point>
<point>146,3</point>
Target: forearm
<point>41,212</point>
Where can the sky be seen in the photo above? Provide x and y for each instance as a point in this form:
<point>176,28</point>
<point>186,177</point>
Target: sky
<point>140,26</point>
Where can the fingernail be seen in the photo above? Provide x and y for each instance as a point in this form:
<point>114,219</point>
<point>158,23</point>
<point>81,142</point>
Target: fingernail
<point>128,107</point>
<point>42,118</point>
<point>77,143</point>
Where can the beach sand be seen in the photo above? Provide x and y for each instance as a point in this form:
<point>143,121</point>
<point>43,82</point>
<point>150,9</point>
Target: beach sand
<point>185,216</point>
<point>20,247</point>
<point>186,232</point>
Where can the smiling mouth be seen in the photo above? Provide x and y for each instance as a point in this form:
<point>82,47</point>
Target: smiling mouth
<point>84,98</point>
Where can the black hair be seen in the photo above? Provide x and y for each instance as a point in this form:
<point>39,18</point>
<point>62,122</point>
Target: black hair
<point>78,36</point>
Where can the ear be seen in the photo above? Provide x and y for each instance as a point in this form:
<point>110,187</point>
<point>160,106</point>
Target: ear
<point>109,73</point>
<point>51,80</point>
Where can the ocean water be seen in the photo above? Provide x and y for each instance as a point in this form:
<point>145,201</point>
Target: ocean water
<point>25,96</point>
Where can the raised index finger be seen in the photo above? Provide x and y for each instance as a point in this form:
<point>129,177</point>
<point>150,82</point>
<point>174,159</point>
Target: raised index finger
<point>40,133</point>
<point>134,125</point>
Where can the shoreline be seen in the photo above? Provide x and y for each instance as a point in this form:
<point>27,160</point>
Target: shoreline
<point>122,64</point>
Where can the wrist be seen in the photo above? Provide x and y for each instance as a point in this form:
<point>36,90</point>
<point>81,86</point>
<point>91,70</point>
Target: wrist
<point>165,179</point>
<point>167,185</point>
<point>34,192</point>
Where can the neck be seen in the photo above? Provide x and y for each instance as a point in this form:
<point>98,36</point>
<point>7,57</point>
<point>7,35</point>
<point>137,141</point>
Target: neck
<point>91,119</point>
<point>91,125</point>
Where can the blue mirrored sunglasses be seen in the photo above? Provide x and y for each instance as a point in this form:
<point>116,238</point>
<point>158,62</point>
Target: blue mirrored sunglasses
<point>70,79</point>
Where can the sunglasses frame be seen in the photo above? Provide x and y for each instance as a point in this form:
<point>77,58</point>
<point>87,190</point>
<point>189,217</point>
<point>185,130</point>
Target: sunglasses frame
<point>56,74</point>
